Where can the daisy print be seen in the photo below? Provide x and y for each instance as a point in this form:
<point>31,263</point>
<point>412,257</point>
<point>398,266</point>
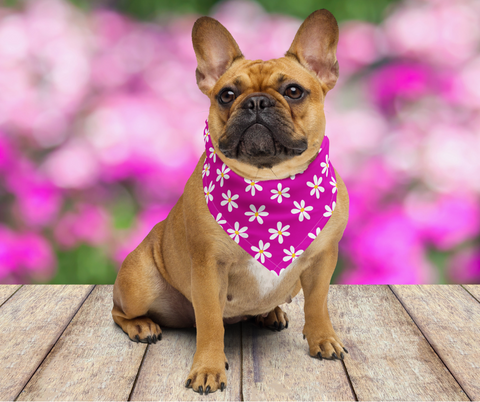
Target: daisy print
<point>206,170</point>
<point>252,186</point>
<point>213,154</point>
<point>223,174</point>
<point>291,254</point>
<point>316,187</point>
<point>256,214</point>
<point>279,232</point>
<point>229,200</point>
<point>325,165</point>
<point>279,193</point>
<point>329,210</point>
<point>236,232</point>
<point>208,192</point>
<point>206,136</point>
<point>301,210</point>
<point>314,236</point>
<point>261,253</point>
<point>334,184</point>
<point>219,219</point>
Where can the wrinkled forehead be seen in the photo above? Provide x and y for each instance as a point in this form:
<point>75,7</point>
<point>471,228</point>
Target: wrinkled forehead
<point>259,75</point>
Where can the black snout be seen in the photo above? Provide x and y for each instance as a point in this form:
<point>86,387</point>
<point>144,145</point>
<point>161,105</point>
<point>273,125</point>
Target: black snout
<point>258,103</point>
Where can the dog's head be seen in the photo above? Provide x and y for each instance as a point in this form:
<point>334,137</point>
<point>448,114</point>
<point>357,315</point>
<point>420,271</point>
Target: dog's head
<point>266,118</point>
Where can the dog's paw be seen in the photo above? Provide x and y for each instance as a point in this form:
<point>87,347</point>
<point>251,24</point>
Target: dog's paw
<point>276,320</point>
<point>325,346</point>
<point>205,377</point>
<point>144,330</point>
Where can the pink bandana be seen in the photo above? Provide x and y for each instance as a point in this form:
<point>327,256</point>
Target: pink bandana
<point>274,220</point>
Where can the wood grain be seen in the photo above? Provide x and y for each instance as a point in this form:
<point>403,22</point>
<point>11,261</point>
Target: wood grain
<point>93,359</point>
<point>474,290</point>
<point>449,317</point>
<point>389,357</point>
<point>278,367</point>
<point>167,364</point>
<point>6,291</point>
<point>30,323</point>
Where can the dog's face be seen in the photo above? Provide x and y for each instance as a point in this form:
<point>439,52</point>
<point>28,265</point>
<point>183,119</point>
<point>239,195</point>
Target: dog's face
<point>266,118</point>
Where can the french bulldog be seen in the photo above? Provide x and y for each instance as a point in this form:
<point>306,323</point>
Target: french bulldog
<point>266,122</point>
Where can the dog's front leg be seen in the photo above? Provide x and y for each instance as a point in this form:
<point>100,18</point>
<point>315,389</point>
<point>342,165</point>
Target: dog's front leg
<point>322,339</point>
<point>208,296</point>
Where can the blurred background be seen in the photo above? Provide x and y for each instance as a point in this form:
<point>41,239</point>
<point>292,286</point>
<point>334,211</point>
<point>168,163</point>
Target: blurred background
<point>101,125</point>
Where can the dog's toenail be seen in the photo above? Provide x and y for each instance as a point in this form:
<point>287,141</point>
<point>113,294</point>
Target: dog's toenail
<point>346,351</point>
<point>222,386</point>
<point>334,356</point>
<point>342,355</point>
<point>319,355</point>
<point>200,390</point>
<point>207,390</point>
<point>226,366</point>
<point>188,382</point>
<point>303,336</point>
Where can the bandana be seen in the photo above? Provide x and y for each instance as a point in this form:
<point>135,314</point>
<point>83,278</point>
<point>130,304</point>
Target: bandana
<point>273,220</point>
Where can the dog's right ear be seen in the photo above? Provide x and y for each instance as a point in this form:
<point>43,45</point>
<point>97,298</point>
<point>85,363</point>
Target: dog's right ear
<point>215,49</point>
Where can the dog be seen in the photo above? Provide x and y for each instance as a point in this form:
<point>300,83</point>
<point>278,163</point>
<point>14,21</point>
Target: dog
<point>266,124</point>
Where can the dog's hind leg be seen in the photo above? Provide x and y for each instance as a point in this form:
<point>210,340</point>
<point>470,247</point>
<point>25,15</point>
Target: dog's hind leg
<point>143,300</point>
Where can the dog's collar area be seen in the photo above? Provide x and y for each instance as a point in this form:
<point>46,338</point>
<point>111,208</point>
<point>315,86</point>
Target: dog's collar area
<point>274,220</point>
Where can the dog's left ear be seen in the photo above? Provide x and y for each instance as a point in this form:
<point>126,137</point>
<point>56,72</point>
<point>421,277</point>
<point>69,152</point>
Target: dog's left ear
<point>215,49</point>
<point>315,46</point>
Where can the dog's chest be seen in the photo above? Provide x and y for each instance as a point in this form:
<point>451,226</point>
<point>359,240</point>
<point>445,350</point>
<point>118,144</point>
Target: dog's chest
<point>253,289</point>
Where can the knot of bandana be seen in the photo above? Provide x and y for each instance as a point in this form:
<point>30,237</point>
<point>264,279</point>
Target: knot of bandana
<point>273,220</point>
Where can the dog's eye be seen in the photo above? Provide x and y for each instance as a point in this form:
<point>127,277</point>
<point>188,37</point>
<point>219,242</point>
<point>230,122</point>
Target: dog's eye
<point>227,96</point>
<point>293,92</point>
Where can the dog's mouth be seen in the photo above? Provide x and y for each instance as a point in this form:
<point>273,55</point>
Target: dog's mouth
<point>258,145</point>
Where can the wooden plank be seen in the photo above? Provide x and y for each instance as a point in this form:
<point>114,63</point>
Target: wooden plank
<point>30,323</point>
<point>6,291</point>
<point>278,367</point>
<point>167,364</point>
<point>92,360</point>
<point>474,290</point>
<point>389,357</point>
<point>449,317</point>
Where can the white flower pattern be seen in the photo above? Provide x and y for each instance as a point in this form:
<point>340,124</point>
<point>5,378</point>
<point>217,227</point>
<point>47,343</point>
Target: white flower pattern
<point>260,250</point>
<point>208,192</point>
<point>279,232</point>
<point>316,187</point>
<point>252,186</point>
<point>223,174</point>
<point>325,165</point>
<point>229,200</point>
<point>315,235</point>
<point>256,214</point>
<point>329,210</point>
<point>334,185</point>
<point>301,210</point>
<point>213,154</point>
<point>291,254</point>
<point>279,193</point>
<point>237,232</point>
<point>219,219</point>
<point>206,170</point>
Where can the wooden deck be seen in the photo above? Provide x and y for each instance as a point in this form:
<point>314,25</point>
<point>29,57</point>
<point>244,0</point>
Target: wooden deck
<point>405,343</point>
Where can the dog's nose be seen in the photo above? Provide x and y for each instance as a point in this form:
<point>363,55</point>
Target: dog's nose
<point>259,103</point>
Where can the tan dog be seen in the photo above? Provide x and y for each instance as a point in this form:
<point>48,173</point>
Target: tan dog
<point>188,271</point>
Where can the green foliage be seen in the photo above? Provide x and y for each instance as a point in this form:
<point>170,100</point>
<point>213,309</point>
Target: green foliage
<point>371,10</point>
<point>83,265</point>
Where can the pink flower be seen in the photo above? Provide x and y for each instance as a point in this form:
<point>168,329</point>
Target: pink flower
<point>386,250</point>
<point>445,221</point>
<point>88,224</point>
<point>464,266</point>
